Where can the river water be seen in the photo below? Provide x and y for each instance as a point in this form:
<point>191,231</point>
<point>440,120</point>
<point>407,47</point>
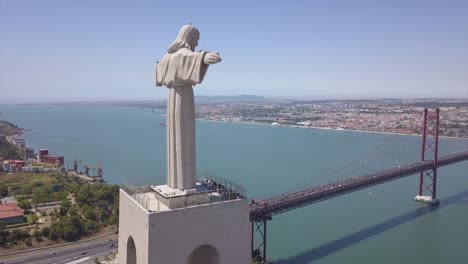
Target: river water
<point>381,224</point>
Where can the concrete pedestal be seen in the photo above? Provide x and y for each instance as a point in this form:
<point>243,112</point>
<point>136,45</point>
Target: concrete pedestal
<point>211,233</point>
<point>426,199</point>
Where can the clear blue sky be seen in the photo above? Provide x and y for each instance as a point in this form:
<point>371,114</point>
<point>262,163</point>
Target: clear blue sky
<point>56,50</point>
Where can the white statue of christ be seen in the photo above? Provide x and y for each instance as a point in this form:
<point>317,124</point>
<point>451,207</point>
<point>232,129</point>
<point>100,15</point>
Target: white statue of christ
<point>179,70</point>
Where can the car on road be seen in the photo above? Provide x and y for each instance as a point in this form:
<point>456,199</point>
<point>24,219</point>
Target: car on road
<point>52,253</point>
<point>83,253</point>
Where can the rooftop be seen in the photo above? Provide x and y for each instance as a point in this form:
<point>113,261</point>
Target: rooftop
<point>53,156</point>
<point>160,198</point>
<point>10,210</point>
<point>168,192</point>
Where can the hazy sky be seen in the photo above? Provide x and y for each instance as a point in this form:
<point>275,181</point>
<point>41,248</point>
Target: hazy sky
<point>56,50</point>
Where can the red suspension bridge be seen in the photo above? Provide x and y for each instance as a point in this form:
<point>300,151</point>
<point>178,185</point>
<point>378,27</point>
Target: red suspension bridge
<point>350,179</point>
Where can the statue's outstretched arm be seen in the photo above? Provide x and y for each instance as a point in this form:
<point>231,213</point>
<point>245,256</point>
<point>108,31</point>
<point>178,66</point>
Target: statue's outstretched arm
<point>211,58</point>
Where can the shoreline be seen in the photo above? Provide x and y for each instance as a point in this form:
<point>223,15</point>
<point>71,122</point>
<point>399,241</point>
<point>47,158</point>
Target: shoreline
<point>23,130</point>
<point>323,128</point>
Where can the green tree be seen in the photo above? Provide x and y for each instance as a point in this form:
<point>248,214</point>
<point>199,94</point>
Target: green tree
<point>9,150</point>
<point>28,242</point>
<point>2,226</point>
<point>66,203</point>
<point>3,240</point>
<point>32,218</point>
<point>90,227</point>
<point>53,233</point>
<point>103,214</point>
<point>27,190</point>
<point>89,214</point>
<point>25,204</point>
<point>4,191</point>
<point>73,211</point>
<point>45,232</point>
<point>70,233</point>
<point>18,235</point>
<point>37,235</point>
<point>76,222</point>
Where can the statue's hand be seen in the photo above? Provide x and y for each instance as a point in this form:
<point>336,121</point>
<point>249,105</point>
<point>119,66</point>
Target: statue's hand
<point>211,58</point>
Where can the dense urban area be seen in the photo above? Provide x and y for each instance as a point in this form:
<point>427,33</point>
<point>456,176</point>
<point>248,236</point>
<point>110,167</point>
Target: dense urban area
<point>380,115</point>
<point>391,116</point>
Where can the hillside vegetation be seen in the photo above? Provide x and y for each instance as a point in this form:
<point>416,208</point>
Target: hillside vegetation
<point>8,129</point>
<point>8,150</point>
<point>82,209</point>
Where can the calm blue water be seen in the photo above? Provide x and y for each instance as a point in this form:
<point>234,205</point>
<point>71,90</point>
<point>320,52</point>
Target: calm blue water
<point>386,226</point>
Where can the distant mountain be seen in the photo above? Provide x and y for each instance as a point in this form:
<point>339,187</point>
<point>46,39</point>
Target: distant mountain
<point>160,102</point>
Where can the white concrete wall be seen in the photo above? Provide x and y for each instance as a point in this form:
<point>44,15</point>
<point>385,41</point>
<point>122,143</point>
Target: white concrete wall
<point>173,235</point>
<point>133,221</point>
<point>169,237</point>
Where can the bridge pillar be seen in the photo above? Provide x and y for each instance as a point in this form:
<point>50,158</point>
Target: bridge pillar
<point>430,147</point>
<point>259,225</point>
<point>259,252</point>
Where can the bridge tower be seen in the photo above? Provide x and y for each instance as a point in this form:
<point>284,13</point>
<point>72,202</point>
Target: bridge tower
<point>430,147</point>
<point>259,225</point>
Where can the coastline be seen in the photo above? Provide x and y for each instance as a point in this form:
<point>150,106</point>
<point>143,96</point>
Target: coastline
<point>23,130</point>
<point>324,128</point>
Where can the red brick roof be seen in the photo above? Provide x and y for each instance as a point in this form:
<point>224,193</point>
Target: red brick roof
<point>10,210</point>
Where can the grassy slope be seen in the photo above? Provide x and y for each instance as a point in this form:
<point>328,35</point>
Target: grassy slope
<point>18,180</point>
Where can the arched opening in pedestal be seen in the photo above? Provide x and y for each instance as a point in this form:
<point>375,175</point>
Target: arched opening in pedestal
<point>131,251</point>
<point>204,254</point>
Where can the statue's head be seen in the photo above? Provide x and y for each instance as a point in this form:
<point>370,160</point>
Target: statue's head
<point>187,38</point>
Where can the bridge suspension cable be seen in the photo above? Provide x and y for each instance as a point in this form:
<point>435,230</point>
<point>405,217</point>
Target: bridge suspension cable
<point>342,172</point>
<point>394,151</point>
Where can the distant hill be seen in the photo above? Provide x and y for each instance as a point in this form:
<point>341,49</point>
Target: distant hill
<point>156,104</point>
<point>161,103</point>
<point>230,99</point>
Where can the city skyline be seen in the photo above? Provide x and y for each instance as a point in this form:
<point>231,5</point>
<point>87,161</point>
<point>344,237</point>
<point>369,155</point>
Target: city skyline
<point>61,51</point>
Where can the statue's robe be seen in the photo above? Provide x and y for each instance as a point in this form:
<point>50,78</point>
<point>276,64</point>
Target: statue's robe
<point>179,71</point>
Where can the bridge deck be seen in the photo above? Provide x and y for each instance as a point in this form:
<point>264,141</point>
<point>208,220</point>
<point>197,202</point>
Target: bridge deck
<point>264,209</point>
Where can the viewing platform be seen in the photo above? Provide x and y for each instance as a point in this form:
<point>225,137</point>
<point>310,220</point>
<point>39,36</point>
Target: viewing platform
<point>160,198</point>
<point>177,224</point>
